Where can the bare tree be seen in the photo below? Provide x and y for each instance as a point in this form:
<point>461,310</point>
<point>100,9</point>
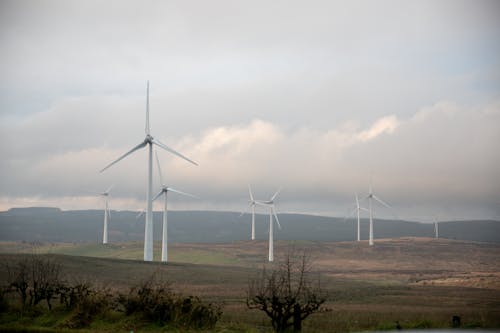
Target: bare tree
<point>18,278</point>
<point>45,279</point>
<point>287,294</point>
<point>35,276</point>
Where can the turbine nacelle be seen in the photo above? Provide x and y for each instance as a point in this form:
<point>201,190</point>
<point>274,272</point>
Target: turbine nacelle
<point>269,202</point>
<point>106,193</point>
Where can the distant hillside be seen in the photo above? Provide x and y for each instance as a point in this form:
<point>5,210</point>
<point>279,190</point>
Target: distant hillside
<point>54,225</point>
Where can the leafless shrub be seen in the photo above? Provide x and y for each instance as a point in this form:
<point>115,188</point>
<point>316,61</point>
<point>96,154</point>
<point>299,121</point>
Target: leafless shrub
<point>287,294</point>
<point>35,278</point>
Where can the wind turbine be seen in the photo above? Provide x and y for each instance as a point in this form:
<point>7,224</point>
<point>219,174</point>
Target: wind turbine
<point>270,204</point>
<point>357,209</point>
<point>107,214</point>
<point>251,203</point>
<point>149,141</point>
<point>164,190</point>
<point>370,197</point>
<point>436,228</point>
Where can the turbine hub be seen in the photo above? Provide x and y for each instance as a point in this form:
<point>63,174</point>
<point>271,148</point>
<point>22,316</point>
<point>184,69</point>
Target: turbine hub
<point>148,139</point>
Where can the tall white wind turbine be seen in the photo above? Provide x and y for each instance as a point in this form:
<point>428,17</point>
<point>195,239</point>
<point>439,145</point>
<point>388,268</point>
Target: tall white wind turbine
<point>272,211</point>
<point>357,209</point>
<point>370,197</point>
<point>149,141</point>
<point>436,228</point>
<point>164,191</point>
<point>251,203</point>
<point>107,214</point>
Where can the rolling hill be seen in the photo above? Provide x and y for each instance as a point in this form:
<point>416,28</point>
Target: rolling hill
<point>54,225</point>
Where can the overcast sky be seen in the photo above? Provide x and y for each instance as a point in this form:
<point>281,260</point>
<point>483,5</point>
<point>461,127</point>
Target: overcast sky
<point>314,96</point>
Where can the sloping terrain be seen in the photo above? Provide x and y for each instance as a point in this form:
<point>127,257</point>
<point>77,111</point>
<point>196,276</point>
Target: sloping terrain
<point>416,281</point>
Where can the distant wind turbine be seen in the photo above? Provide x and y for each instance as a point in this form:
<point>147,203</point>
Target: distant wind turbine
<point>164,191</point>
<point>251,203</point>
<point>357,209</point>
<point>270,204</point>
<point>436,228</point>
<point>149,141</point>
<point>107,214</point>
<point>370,197</point>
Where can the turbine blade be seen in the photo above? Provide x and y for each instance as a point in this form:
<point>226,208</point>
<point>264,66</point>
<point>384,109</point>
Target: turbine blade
<point>159,168</point>
<point>139,146</point>
<point>380,200</point>
<point>170,189</point>
<point>275,194</point>
<point>147,128</point>
<point>250,191</point>
<point>371,181</point>
<point>351,213</point>
<point>142,212</point>
<point>276,216</point>
<point>170,150</point>
<point>246,210</point>
<point>357,201</point>
<point>158,195</point>
<point>109,189</point>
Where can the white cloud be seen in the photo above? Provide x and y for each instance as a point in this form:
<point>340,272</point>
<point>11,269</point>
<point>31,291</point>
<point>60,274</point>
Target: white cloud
<point>384,125</point>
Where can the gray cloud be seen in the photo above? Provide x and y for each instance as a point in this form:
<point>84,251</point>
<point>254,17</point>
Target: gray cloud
<point>442,154</point>
<point>313,97</point>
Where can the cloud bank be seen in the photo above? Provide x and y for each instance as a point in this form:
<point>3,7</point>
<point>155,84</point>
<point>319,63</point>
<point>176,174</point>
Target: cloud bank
<point>443,153</point>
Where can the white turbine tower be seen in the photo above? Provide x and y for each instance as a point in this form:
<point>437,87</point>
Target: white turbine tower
<point>436,228</point>
<point>107,214</point>
<point>164,190</point>
<point>357,209</point>
<point>149,141</point>
<point>270,204</point>
<point>251,203</point>
<point>370,197</point>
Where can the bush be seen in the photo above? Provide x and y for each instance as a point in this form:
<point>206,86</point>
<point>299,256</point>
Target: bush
<point>87,307</point>
<point>4,304</point>
<point>71,295</point>
<point>155,301</point>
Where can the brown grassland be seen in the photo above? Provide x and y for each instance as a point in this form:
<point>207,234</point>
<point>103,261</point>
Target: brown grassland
<point>419,282</point>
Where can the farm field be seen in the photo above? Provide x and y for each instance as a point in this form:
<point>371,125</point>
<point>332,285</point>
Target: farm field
<point>419,282</point>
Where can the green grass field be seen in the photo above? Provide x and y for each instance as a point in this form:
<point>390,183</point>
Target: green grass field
<point>419,282</point>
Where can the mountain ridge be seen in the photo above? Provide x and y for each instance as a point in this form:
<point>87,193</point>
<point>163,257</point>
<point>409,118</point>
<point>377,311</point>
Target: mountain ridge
<point>55,225</point>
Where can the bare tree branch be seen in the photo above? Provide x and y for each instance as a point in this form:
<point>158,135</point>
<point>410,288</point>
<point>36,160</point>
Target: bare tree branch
<point>287,295</point>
